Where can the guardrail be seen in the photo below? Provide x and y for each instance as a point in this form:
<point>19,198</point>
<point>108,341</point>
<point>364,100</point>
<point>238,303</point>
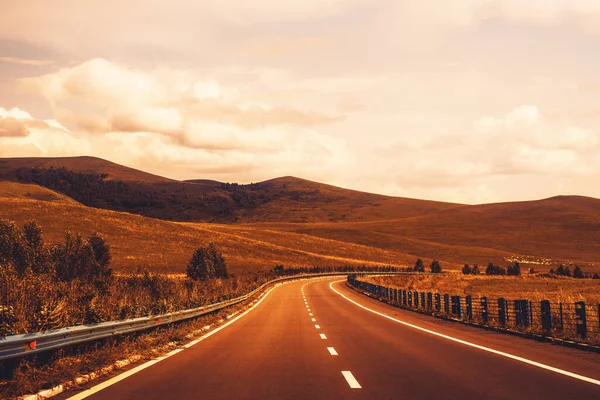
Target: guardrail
<point>578,319</point>
<point>37,342</point>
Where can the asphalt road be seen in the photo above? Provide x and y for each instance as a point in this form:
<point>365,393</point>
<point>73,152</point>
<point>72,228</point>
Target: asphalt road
<point>307,341</point>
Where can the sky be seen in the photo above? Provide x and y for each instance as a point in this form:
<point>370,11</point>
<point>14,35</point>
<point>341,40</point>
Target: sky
<point>470,101</point>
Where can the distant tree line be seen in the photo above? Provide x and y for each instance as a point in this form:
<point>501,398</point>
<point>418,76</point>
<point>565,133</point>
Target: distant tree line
<point>281,270</point>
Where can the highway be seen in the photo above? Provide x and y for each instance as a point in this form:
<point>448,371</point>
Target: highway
<point>319,339</point>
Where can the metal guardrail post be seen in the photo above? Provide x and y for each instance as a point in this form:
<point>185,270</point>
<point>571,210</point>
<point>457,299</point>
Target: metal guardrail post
<point>469,301</point>
<point>580,319</point>
<point>438,302</point>
<point>502,311</point>
<point>423,305</point>
<point>429,301</point>
<point>485,316</point>
<point>560,316</point>
<point>410,302</point>
<point>447,304</point>
<point>546,316</point>
<point>416,299</point>
<point>404,297</point>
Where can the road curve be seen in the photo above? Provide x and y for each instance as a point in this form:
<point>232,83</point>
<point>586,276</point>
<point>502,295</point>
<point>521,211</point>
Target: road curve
<point>309,340</point>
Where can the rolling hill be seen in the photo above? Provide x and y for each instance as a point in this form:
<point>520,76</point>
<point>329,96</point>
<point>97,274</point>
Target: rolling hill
<point>102,184</point>
<point>287,220</point>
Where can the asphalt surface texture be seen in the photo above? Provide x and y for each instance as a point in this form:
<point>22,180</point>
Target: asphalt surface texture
<point>309,339</point>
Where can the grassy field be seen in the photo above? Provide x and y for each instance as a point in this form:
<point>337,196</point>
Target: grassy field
<point>166,246</point>
<point>533,288</point>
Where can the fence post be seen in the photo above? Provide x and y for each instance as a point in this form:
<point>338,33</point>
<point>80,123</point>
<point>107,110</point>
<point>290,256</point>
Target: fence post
<point>580,319</point>
<point>484,310</point>
<point>469,301</point>
<point>546,316</point>
<point>404,297</point>
<point>409,298</point>
<point>456,306</point>
<point>423,300</point>
<point>447,304</point>
<point>562,322</point>
<point>438,302</point>
<point>416,299</point>
<point>502,308</point>
<point>430,301</point>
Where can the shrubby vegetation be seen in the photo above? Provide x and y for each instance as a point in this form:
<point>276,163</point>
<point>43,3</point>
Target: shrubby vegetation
<point>577,273</point>
<point>281,270</point>
<point>50,286</point>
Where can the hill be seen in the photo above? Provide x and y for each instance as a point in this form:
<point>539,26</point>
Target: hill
<point>102,184</point>
<point>561,229</point>
<point>165,246</point>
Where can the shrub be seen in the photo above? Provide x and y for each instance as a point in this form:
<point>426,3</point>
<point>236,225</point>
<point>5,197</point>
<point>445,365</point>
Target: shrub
<point>466,269</point>
<point>435,267</point>
<point>578,272</point>
<point>514,270</point>
<point>207,263</point>
<point>475,269</point>
<point>419,266</point>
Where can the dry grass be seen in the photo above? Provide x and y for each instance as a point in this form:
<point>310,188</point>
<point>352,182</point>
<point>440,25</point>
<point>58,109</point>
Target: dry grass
<point>166,247</point>
<point>534,288</point>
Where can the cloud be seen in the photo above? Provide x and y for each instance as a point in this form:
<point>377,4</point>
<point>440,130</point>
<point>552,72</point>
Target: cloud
<point>10,127</point>
<point>25,61</point>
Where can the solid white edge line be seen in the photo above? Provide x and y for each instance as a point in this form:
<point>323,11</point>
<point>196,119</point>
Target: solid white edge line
<point>490,350</point>
<point>352,382</point>
<point>127,374</point>
<point>332,351</point>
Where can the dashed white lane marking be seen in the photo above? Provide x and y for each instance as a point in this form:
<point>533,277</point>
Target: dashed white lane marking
<point>310,314</point>
<point>497,352</point>
<point>352,382</point>
<point>317,326</point>
<point>332,351</point>
<point>313,319</point>
<point>309,310</point>
<point>322,336</point>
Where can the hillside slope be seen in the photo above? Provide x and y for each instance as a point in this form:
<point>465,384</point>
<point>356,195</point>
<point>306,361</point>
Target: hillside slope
<point>102,184</point>
<point>563,229</point>
<point>165,246</point>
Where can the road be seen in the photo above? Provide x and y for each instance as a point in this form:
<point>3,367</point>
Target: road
<point>310,340</point>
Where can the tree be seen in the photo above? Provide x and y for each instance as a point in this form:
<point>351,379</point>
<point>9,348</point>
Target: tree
<point>491,269</point>
<point>207,263</point>
<point>435,267</point>
<point>279,269</point>
<point>475,269</point>
<point>578,272</point>
<point>419,266</point>
<point>37,253</point>
<point>567,271</point>
<point>466,269</point>
<point>218,261</point>
<point>101,272</point>
<point>514,270</point>
<point>560,270</point>
<point>199,267</point>
<point>596,276</point>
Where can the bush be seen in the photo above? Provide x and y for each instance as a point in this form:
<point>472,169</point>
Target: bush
<point>475,270</point>
<point>578,272</point>
<point>207,263</point>
<point>494,269</point>
<point>514,270</point>
<point>419,266</point>
<point>435,267</point>
<point>466,269</point>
